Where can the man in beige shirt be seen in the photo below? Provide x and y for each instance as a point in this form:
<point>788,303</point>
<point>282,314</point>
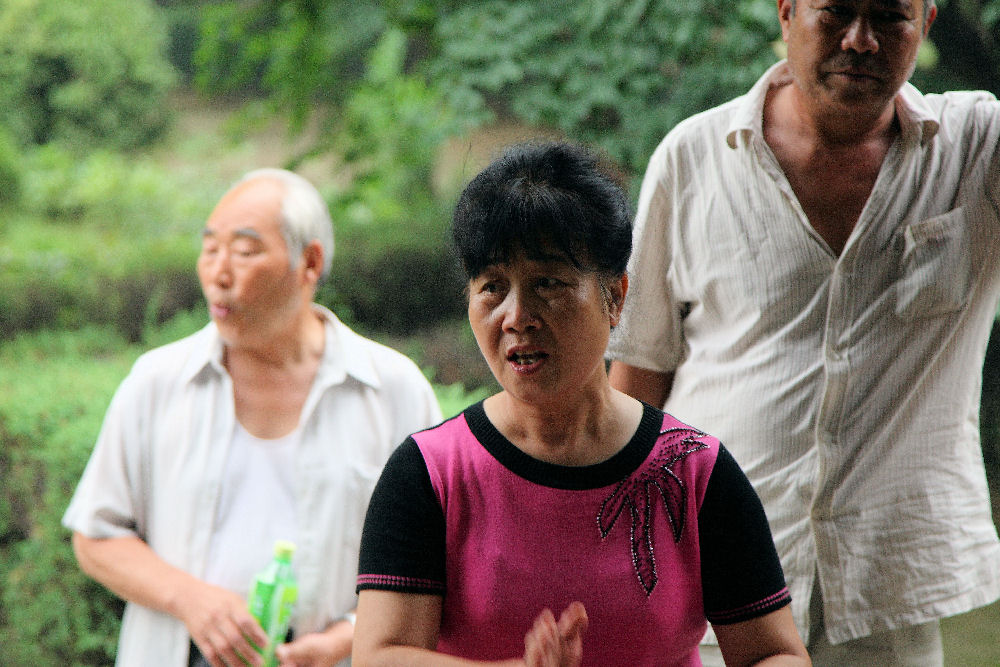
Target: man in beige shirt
<point>816,273</point>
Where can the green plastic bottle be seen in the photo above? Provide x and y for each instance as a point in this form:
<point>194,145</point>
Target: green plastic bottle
<point>272,596</point>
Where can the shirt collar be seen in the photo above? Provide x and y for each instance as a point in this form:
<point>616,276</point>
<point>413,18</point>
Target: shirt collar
<point>344,354</point>
<point>915,117</point>
<point>749,117</point>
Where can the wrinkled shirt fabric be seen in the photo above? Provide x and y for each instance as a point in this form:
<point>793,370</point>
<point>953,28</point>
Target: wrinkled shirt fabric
<point>847,387</point>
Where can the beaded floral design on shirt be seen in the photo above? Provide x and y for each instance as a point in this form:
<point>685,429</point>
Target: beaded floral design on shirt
<point>636,492</point>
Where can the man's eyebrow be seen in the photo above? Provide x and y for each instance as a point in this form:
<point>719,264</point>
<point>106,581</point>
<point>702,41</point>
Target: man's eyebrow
<point>903,5</point>
<point>245,232</point>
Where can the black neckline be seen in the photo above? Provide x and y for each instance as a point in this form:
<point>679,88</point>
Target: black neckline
<point>557,476</point>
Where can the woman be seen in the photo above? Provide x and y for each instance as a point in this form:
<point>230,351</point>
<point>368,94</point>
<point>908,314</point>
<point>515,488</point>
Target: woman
<point>561,493</point>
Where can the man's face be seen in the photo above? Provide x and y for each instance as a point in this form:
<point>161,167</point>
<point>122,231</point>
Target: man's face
<point>249,283</point>
<point>851,56</point>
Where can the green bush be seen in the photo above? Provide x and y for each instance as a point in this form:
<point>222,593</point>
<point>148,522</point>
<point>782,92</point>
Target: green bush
<point>611,73</point>
<point>303,57</point>
<point>397,290</point>
<point>55,389</point>
<point>100,240</point>
<point>116,192</point>
<point>84,72</point>
<point>454,398</point>
<point>394,269</point>
<point>10,170</point>
<point>52,276</point>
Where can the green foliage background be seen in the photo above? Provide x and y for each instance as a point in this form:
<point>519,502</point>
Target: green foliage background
<point>55,387</point>
<point>389,107</point>
<point>87,73</point>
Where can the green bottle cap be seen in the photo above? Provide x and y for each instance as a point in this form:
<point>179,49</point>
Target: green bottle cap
<point>284,549</point>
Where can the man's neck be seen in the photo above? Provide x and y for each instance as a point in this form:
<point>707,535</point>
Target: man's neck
<point>301,340</point>
<point>831,161</point>
<point>272,378</point>
<point>829,128</point>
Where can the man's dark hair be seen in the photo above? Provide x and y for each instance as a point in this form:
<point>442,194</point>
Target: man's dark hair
<point>541,199</point>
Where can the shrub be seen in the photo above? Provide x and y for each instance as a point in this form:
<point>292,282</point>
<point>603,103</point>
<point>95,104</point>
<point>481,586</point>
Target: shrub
<point>83,72</point>
<point>100,240</point>
<point>55,388</point>
<point>610,73</point>
<point>10,170</point>
<point>56,277</point>
<point>454,398</point>
<point>396,290</point>
<point>394,268</point>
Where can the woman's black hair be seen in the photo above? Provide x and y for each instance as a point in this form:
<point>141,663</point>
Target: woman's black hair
<point>541,199</point>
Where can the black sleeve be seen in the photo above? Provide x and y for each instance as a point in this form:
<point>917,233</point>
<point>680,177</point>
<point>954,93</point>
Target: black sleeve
<point>740,571</point>
<point>403,541</point>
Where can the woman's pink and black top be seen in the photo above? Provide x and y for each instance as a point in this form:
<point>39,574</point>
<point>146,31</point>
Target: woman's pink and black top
<point>662,537</point>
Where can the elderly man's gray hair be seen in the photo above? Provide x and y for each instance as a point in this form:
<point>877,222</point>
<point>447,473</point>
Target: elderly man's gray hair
<point>304,214</point>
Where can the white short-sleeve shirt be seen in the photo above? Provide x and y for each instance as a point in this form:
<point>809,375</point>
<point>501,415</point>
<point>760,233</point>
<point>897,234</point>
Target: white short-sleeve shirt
<point>157,469</point>
<point>847,387</point>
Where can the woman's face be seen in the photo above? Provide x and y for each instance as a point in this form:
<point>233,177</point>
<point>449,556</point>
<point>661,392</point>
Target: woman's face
<point>543,326</point>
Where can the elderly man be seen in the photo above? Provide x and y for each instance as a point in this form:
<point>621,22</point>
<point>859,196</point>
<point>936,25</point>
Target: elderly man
<point>272,422</point>
<point>817,269</point>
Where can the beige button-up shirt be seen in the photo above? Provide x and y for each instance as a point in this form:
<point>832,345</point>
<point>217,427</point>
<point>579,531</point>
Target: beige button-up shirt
<point>847,387</point>
<point>158,465</point>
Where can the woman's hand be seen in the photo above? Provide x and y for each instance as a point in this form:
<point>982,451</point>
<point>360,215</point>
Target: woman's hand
<point>318,649</point>
<point>552,643</point>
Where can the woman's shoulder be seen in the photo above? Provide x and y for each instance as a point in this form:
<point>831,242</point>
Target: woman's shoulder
<point>452,431</point>
<point>680,434</point>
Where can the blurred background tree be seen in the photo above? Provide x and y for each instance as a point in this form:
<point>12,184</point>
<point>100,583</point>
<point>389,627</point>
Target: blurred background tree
<point>86,74</point>
<point>124,120</point>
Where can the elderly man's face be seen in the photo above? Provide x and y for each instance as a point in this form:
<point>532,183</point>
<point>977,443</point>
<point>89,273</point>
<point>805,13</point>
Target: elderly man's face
<point>251,287</point>
<point>853,55</point>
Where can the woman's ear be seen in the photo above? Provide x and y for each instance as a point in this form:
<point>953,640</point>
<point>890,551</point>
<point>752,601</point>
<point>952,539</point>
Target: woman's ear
<point>617,288</point>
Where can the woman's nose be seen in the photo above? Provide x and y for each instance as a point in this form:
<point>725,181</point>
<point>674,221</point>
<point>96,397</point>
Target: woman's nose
<point>519,313</point>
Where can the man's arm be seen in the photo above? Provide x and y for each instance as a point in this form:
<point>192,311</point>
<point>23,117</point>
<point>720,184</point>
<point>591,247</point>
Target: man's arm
<point>217,619</point>
<point>652,387</point>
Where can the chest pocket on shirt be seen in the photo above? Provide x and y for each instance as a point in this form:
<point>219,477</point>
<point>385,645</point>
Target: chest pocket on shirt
<point>936,267</point>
